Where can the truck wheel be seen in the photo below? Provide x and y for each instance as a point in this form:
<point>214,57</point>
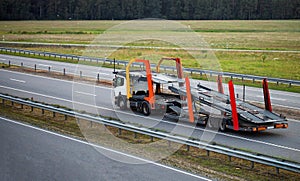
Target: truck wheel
<point>209,123</point>
<point>146,108</point>
<point>223,126</point>
<point>122,103</point>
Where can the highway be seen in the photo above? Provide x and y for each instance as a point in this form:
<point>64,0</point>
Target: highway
<point>97,99</point>
<point>280,98</point>
<point>29,153</point>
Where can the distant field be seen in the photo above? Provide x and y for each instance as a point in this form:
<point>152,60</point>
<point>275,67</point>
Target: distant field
<point>248,35</point>
<point>280,35</point>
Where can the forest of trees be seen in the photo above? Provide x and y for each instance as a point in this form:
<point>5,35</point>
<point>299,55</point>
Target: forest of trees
<point>135,9</point>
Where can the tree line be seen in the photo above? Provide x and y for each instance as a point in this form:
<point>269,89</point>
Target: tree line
<point>136,9</point>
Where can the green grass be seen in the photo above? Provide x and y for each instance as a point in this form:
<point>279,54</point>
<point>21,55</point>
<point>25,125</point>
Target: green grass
<point>250,83</point>
<point>278,65</point>
<point>280,35</point>
<point>245,26</point>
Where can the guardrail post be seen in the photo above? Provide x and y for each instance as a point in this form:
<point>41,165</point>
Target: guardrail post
<point>21,64</point>
<point>64,71</point>
<point>3,102</point>
<point>187,147</point>
<point>49,68</point>
<point>34,67</point>
<point>277,170</point>
<point>9,63</point>
<point>253,80</point>
<point>244,92</point>
<point>120,131</point>
<point>151,138</point>
<point>207,152</point>
<point>252,164</point>
<point>135,135</point>
<point>98,77</point>
<point>91,124</point>
<point>169,143</point>
<point>43,111</point>
<point>80,74</point>
<point>31,108</point>
<point>12,103</point>
<point>53,114</point>
<point>229,158</point>
<point>242,78</point>
<point>290,84</point>
<point>66,117</point>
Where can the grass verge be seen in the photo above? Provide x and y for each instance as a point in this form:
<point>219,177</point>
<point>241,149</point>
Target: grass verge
<point>215,166</point>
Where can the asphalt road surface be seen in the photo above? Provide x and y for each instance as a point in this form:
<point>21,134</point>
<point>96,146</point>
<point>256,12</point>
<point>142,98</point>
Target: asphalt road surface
<point>281,98</point>
<point>29,153</point>
<point>96,99</point>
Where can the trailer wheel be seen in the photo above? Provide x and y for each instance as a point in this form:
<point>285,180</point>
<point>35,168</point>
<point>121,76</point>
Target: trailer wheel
<point>223,126</point>
<point>146,108</point>
<point>122,103</point>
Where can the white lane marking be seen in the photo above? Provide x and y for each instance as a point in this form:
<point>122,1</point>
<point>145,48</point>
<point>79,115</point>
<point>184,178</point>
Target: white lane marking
<point>85,93</point>
<point>43,65</point>
<point>104,148</point>
<point>49,78</point>
<point>278,105</point>
<point>273,98</point>
<point>16,80</point>
<point>176,124</point>
<point>101,73</point>
<point>294,120</point>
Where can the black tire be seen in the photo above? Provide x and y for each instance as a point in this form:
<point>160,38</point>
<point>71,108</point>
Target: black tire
<point>223,126</point>
<point>122,103</point>
<point>146,108</point>
<point>209,124</point>
<point>214,123</point>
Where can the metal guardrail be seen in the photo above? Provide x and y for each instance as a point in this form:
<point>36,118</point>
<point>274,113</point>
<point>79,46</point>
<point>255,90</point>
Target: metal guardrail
<point>254,158</point>
<point>170,68</point>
